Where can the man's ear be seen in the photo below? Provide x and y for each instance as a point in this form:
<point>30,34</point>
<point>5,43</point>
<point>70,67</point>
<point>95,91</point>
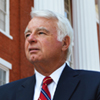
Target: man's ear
<point>65,43</point>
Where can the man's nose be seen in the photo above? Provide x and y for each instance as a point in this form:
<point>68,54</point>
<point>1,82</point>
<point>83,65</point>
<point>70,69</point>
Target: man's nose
<point>32,38</point>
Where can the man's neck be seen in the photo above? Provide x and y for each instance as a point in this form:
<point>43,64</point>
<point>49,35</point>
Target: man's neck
<point>48,68</point>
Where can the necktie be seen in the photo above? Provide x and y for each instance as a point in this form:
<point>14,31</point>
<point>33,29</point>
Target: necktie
<point>45,94</point>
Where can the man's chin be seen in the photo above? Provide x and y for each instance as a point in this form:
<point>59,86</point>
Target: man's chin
<point>34,60</point>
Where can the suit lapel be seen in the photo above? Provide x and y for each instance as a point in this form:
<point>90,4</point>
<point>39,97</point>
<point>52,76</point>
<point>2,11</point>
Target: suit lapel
<point>26,90</point>
<point>68,82</point>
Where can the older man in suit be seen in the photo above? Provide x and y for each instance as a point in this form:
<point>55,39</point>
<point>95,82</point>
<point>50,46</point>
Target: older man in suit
<point>48,44</point>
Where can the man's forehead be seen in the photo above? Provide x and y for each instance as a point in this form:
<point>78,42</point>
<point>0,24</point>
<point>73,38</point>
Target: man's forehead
<point>39,24</point>
<point>42,19</point>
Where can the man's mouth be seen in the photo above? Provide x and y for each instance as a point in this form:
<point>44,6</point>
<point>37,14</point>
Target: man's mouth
<point>33,50</point>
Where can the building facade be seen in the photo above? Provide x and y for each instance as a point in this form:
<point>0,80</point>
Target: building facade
<point>14,17</point>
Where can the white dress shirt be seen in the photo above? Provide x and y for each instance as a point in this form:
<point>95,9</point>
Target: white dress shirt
<point>52,86</point>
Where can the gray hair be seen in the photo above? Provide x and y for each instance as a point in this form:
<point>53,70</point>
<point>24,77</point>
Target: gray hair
<point>63,25</point>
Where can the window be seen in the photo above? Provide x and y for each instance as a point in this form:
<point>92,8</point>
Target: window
<point>97,11</point>
<point>4,17</point>
<point>68,10</point>
<point>2,14</point>
<point>2,77</point>
<point>4,71</point>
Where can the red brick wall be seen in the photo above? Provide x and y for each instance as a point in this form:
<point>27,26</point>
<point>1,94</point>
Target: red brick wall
<point>13,50</point>
<point>25,8</point>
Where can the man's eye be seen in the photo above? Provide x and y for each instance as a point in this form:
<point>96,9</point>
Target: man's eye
<point>41,33</point>
<point>27,35</point>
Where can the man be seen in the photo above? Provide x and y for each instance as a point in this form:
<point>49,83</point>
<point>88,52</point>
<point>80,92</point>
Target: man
<point>48,43</point>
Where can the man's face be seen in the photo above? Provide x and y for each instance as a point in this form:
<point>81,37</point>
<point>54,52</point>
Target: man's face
<point>41,42</point>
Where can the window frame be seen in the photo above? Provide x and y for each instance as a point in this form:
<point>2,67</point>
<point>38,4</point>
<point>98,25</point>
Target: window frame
<point>7,22</point>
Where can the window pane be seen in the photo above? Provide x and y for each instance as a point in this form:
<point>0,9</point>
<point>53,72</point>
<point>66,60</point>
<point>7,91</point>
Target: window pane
<point>3,5</point>
<point>2,16</point>
<point>2,77</point>
<point>67,1</point>
<point>1,83</point>
<point>65,14</point>
<point>67,9</point>
<point>2,21</point>
<point>68,16</point>
<point>2,25</point>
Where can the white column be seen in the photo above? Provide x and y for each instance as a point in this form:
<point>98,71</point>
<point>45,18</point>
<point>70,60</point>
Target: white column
<point>53,5</point>
<point>86,54</point>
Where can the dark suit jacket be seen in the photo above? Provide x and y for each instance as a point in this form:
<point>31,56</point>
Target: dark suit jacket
<point>72,85</point>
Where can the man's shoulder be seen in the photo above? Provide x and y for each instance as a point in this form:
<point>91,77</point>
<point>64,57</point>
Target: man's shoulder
<point>11,87</point>
<point>87,72</point>
<point>17,82</point>
<point>82,72</point>
<point>88,75</point>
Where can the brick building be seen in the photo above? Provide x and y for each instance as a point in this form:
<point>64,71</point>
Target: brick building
<point>14,17</point>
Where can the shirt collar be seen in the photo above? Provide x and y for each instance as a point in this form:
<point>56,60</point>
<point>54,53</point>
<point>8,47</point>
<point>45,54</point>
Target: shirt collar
<point>55,75</point>
<point>39,78</point>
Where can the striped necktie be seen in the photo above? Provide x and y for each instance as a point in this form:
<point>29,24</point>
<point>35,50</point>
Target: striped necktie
<point>45,94</point>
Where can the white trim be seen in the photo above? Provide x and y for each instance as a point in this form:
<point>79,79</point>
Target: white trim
<point>5,63</point>
<point>9,36</point>
<point>7,76</point>
<point>7,24</point>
